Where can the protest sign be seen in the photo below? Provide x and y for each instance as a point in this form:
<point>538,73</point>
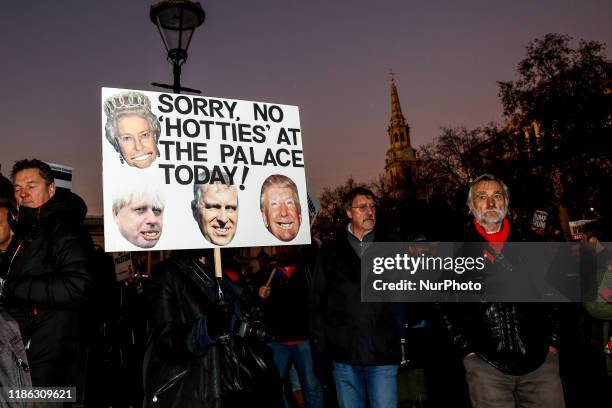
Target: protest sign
<point>183,171</point>
<point>538,221</point>
<point>577,228</point>
<point>62,175</point>
<point>314,205</point>
<point>123,265</point>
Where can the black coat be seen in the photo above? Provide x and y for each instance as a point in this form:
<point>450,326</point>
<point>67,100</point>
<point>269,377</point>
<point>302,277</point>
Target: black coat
<point>342,327</point>
<point>286,310</point>
<point>512,337</point>
<point>179,371</point>
<point>48,282</point>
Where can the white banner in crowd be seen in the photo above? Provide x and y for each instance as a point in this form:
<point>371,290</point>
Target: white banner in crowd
<point>314,205</point>
<point>577,228</point>
<point>123,265</point>
<point>62,175</point>
<point>182,171</point>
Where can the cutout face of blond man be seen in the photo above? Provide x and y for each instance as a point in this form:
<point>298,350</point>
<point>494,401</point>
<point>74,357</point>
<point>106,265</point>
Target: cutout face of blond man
<point>136,141</point>
<point>216,211</point>
<point>281,214</point>
<point>140,222</point>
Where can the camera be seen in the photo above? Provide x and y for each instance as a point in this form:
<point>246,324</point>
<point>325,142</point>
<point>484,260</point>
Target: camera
<point>255,330</point>
<point>251,326</point>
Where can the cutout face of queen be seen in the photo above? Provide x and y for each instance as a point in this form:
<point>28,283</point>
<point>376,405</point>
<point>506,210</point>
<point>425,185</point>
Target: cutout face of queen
<point>132,129</point>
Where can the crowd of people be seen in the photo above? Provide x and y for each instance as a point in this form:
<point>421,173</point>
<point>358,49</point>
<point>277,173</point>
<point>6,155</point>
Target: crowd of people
<point>293,333</point>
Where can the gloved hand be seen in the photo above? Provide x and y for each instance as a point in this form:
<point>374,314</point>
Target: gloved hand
<point>219,319</point>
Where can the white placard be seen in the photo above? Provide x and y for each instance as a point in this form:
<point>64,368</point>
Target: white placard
<point>314,205</point>
<point>168,159</point>
<point>538,221</point>
<point>123,265</point>
<point>62,175</point>
<point>577,228</point>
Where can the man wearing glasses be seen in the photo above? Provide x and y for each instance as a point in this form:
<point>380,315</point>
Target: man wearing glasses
<point>362,340</point>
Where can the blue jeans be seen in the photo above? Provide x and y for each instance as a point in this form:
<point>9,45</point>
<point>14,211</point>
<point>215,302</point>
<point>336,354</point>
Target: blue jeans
<point>301,356</point>
<point>352,381</point>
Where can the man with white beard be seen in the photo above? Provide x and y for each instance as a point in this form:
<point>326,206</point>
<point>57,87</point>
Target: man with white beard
<point>509,350</point>
<point>488,201</point>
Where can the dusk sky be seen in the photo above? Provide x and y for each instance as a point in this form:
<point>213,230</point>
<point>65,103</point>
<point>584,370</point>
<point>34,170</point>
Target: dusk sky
<point>330,58</point>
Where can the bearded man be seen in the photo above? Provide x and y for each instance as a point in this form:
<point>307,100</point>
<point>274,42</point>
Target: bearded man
<point>509,350</point>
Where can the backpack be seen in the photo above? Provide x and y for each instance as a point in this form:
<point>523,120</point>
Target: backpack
<point>14,369</point>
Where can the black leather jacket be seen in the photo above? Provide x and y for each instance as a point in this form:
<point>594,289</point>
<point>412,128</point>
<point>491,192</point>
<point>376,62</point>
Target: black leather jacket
<point>512,337</point>
<point>178,370</point>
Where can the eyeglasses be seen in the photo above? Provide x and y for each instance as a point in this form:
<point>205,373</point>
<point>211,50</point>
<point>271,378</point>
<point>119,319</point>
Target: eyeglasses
<point>364,207</point>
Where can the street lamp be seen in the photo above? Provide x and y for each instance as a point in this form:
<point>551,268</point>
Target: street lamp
<point>176,21</point>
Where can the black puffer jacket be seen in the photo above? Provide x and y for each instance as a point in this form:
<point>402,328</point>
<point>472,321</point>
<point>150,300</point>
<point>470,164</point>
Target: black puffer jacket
<point>47,285</point>
<point>342,327</point>
<point>512,337</point>
<point>178,370</point>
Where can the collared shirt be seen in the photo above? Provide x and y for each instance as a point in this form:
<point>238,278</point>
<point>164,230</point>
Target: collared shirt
<point>360,245</point>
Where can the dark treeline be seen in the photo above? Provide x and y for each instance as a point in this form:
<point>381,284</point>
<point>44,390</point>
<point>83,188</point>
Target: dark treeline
<point>553,151</point>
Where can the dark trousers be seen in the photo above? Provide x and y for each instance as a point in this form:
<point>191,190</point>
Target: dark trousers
<point>490,388</point>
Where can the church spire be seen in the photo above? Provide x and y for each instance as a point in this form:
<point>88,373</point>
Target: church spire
<point>397,118</point>
<point>401,162</point>
<point>399,131</point>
